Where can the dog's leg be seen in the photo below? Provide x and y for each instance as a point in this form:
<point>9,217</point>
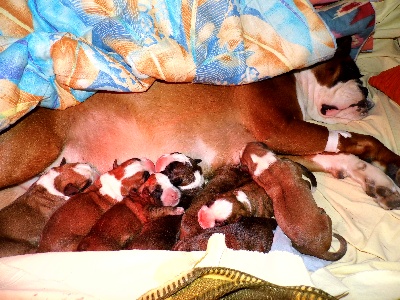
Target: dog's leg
<point>372,179</point>
<point>318,139</point>
<point>372,150</point>
<point>41,143</point>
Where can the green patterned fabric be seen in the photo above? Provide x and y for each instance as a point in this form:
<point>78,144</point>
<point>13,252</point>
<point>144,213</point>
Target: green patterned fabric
<point>224,283</point>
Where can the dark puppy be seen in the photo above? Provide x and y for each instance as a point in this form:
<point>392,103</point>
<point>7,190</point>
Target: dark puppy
<point>249,200</point>
<point>22,222</point>
<point>224,179</point>
<point>184,172</point>
<point>73,221</point>
<point>248,233</point>
<point>158,234</point>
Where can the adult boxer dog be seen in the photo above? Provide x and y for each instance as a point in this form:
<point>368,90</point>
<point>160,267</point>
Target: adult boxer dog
<point>213,123</point>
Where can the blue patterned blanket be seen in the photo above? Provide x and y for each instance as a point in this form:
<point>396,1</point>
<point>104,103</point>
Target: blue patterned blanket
<point>58,53</point>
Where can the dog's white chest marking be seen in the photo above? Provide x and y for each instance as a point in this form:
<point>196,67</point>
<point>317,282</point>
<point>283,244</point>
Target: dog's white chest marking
<point>111,186</point>
<point>263,162</point>
<point>47,181</point>
<point>333,140</point>
<point>242,198</point>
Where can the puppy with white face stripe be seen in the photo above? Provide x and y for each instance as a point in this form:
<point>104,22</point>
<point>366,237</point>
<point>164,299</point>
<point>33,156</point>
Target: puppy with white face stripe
<point>73,221</point>
<point>22,222</point>
<point>183,172</point>
<point>134,223</point>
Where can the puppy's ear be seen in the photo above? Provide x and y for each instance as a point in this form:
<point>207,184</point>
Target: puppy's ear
<point>115,164</point>
<point>71,190</point>
<point>343,46</point>
<point>63,162</point>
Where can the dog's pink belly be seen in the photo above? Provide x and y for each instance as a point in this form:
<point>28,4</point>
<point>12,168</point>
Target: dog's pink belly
<point>101,135</point>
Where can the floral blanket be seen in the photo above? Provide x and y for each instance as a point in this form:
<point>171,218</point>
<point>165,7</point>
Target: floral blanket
<point>58,53</point>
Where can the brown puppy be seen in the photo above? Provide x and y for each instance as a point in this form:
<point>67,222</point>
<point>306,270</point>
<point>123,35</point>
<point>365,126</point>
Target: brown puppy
<point>248,233</point>
<point>127,222</point>
<point>22,222</point>
<point>249,200</point>
<point>213,123</point>
<point>124,221</point>
<point>158,234</point>
<point>306,225</point>
<point>224,179</point>
<point>135,219</point>
<point>73,221</point>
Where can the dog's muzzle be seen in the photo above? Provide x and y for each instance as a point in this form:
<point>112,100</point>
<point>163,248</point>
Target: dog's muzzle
<point>365,105</point>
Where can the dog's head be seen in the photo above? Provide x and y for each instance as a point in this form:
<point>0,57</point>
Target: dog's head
<point>68,179</point>
<point>333,90</point>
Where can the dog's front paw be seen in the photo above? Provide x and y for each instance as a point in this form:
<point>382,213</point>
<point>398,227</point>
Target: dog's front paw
<point>388,197</point>
<point>372,179</point>
<point>376,184</point>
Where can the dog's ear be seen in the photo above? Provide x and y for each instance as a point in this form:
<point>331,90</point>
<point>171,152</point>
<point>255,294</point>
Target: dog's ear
<point>343,46</point>
<point>63,162</point>
<point>115,164</point>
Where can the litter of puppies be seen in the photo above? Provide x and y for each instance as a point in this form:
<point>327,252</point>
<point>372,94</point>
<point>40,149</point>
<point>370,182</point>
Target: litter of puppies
<point>169,205</point>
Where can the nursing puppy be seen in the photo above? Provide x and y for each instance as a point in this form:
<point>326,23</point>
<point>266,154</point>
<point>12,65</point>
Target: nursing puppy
<point>223,181</point>
<point>248,233</point>
<point>249,200</point>
<point>213,123</point>
<point>183,172</point>
<point>123,222</point>
<point>306,225</point>
<point>73,221</point>
<point>22,222</point>
<point>150,217</point>
<point>132,221</point>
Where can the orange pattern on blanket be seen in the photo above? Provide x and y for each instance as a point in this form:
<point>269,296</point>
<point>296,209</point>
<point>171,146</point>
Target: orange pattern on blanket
<point>174,65</point>
<point>388,82</point>
<point>15,103</point>
<point>16,18</point>
<point>72,66</point>
<point>99,7</point>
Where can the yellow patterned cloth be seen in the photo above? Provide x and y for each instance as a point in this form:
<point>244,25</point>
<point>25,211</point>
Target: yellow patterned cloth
<point>223,283</point>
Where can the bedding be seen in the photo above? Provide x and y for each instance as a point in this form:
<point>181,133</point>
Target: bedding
<point>388,82</point>
<point>58,54</point>
<point>369,270</point>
